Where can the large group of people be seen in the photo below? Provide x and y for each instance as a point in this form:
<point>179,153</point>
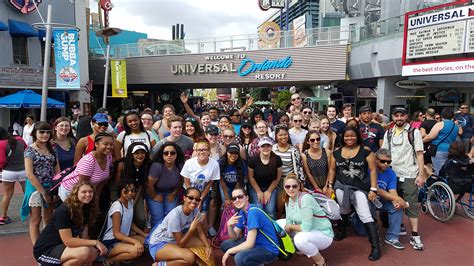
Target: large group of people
<point>158,186</point>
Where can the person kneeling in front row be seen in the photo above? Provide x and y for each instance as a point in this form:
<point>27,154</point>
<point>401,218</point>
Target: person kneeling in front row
<point>64,241</point>
<point>306,221</point>
<point>253,249</point>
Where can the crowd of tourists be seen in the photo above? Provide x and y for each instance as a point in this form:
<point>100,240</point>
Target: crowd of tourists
<point>158,184</point>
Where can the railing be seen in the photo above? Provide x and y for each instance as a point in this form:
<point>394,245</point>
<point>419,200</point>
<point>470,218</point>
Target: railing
<point>250,42</point>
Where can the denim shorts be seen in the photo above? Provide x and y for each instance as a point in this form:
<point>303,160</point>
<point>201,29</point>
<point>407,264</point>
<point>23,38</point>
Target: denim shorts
<point>110,243</point>
<point>154,248</point>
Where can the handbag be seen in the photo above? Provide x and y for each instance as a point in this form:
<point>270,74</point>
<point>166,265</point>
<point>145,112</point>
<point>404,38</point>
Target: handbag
<point>433,148</point>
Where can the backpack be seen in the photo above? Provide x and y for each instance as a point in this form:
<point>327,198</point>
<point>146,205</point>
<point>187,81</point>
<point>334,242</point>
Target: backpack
<point>330,207</point>
<point>411,140</point>
<point>58,179</point>
<point>285,244</point>
<point>223,234</point>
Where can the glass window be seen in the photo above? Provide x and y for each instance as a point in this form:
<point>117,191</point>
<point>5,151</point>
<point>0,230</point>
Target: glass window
<point>51,58</point>
<point>20,50</point>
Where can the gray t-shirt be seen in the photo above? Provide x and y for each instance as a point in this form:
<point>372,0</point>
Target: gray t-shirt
<point>176,221</point>
<point>184,142</point>
<point>167,179</point>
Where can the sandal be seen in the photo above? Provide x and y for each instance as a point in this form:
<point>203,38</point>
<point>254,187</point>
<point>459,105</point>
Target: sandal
<point>5,220</point>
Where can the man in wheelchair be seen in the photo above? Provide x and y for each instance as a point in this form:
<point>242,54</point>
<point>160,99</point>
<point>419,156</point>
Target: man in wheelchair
<point>458,170</point>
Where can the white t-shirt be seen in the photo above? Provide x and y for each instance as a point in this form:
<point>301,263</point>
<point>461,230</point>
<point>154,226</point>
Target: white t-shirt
<point>27,134</point>
<point>175,222</point>
<point>133,137</point>
<point>297,137</point>
<point>127,218</point>
<point>201,175</point>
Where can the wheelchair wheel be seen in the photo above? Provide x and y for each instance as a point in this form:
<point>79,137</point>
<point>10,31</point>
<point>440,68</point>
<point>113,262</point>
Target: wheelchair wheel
<point>440,201</point>
<point>468,210</point>
<point>424,207</point>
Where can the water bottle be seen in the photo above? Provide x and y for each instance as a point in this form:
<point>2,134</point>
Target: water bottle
<point>377,203</point>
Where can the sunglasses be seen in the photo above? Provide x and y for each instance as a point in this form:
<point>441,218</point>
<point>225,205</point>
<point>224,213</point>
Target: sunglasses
<point>169,153</point>
<point>246,127</point>
<point>236,115</point>
<point>385,161</point>
<point>294,99</point>
<point>191,198</point>
<point>291,186</point>
<point>103,124</point>
<point>298,120</point>
<point>307,112</point>
<point>44,131</point>
<point>314,140</point>
<point>238,197</point>
<point>227,136</point>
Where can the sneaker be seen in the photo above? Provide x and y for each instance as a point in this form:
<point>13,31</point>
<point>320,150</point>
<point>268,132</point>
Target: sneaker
<point>403,231</point>
<point>5,220</point>
<point>394,243</point>
<point>415,241</point>
<point>212,232</point>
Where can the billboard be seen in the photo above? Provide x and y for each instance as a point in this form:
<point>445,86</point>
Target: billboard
<point>66,54</point>
<point>439,42</point>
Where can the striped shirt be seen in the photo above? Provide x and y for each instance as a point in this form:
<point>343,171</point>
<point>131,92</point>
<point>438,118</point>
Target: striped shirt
<point>286,158</point>
<point>88,166</point>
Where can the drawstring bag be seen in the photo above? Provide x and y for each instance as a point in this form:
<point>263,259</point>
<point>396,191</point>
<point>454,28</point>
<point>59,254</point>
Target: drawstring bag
<point>223,234</point>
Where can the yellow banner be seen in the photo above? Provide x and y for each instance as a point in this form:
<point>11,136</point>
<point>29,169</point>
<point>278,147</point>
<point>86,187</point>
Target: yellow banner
<point>119,78</point>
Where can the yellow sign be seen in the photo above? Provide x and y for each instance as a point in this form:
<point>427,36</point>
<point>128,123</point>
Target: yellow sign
<point>119,78</point>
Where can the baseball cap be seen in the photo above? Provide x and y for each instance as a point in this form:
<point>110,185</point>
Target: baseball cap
<point>365,108</point>
<point>100,118</point>
<point>265,140</point>
<point>139,147</point>
<point>212,130</point>
<point>233,148</point>
<point>399,110</point>
<point>247,122</point>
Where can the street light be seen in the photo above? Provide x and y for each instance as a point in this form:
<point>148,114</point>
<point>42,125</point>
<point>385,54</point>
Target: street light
<point>106,33</point>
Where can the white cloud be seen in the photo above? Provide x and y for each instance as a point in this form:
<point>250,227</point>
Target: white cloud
<point>202,18</point>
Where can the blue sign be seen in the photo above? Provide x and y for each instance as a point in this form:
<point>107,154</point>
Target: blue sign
<point>66,50</point>
<point>248,65</point>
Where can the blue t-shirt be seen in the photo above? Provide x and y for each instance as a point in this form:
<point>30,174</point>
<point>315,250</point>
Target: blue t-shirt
<point>231,177</point>
<point>387,180</point>
<point>338,126</point>
<point>236,128</point>
<point>465,120</point>
<point>255,219</point>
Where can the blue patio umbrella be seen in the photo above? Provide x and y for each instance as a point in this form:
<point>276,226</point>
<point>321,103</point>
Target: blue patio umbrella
<point>27,99</point>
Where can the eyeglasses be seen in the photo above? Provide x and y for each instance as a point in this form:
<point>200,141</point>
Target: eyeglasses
<point>314,140</point>
<point>294,99</point>
<point>169,153</point>
<point>190,119</point>
<point>291,186</point>
<point>298,120</point>
<point>307,112</point>
<point>44,131</point>
<point>385,161</point>
<point>191,198</point>
<point>438,118</point>
<point>228,136</point>
<point>238,197</point>
<point>202,150</point>
<point>262,127</point>
<point>103,124</point>
<point>133,190</point>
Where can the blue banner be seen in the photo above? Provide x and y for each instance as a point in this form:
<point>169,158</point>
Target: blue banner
<point>66,52</point>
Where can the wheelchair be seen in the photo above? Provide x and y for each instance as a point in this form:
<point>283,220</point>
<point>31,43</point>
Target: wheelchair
<point>437,198</point>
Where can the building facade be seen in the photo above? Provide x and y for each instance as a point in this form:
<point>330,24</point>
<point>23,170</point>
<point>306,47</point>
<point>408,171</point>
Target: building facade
<point>21,56</point>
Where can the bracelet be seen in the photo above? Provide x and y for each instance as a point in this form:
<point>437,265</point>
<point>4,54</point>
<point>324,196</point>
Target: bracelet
<point>329,185</point>
<point>373,189</point>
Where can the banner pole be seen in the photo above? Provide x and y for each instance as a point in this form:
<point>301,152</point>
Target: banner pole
<point>106,78</point>
<point>47,58</point>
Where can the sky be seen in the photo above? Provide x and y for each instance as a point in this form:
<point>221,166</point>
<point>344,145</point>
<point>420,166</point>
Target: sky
<point>202,18</point>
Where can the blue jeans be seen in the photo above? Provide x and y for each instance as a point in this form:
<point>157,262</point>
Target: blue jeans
<point>270,207</point>
<point>229,191</point>
<point>250,257</point>
<point>395,218</point>
<point>159,210</point>
<point>438,161</point>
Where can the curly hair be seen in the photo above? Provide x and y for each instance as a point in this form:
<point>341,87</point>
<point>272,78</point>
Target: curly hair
<point>80,211</point>
<point>179,154</point>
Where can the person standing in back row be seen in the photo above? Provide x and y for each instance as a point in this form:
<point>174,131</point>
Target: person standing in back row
<point>371,133</point>
<point>465,119</point>
<point>407,162</point>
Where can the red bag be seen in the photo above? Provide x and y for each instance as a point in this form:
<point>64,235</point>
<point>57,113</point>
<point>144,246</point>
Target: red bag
<point>222,234</point>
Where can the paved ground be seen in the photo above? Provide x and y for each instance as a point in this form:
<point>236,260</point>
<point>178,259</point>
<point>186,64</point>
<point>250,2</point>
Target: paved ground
<point>448,243</point>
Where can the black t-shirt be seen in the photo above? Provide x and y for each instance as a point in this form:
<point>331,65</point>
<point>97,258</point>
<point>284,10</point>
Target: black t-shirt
<point>371,135</point>
<point>427,125</point>
<point>50,237</point>
<point>264,174</point>
<point>353,171</point>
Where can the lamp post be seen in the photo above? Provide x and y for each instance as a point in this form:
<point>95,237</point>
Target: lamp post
<point>106,33</point>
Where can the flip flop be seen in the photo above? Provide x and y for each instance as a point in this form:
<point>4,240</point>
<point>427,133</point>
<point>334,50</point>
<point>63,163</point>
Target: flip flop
<point>5,220</point>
